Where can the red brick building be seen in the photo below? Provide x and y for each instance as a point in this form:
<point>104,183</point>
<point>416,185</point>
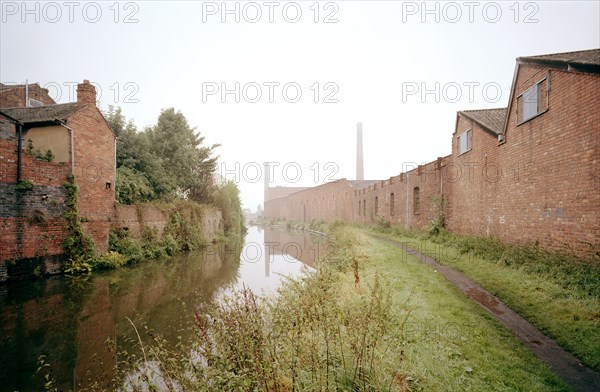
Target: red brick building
<point>528,173</point>
<point>41,142</point>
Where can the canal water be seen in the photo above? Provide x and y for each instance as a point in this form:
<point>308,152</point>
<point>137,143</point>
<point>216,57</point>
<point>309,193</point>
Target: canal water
<point>69,319</point>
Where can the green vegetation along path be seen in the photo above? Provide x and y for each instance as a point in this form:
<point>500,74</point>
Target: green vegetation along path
<point>564,364</point>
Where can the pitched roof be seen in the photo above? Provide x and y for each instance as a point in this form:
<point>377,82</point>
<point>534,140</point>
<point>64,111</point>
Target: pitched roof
<point>4,87</point>
<point>43,113</point>
<point>491,120</point>
<point>583,60</point>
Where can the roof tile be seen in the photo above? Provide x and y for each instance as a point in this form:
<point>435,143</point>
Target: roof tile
<point>43,113</point>
<point>490,119</point>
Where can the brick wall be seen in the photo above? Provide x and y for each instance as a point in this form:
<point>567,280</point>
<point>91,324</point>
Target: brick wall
<point>539,186</point>
<point>31,223</point>
<point>549,188</point>
<point>15,97</point>
<point>325,202</point>
<point>94,145</point>
<point>341,200</point>
<point>38,244</point>
<point>475,182</point>
<point>135,217</point>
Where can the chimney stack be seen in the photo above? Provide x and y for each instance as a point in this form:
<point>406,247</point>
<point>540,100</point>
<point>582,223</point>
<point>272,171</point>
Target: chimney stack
<point>86,93</point>
<point>267,174</point>
<point>360,175</point>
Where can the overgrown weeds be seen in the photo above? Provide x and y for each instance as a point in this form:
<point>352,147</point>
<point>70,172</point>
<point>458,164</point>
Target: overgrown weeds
<point>568,270</point>
<point>316,334</point>
<point>78,247</point>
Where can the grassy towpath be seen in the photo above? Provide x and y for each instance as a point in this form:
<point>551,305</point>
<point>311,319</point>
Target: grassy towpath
<point>448,342</point>
<point>566,365</point>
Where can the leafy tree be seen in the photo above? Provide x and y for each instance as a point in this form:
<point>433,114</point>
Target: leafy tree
<point>165,160</point>
<point>133,186</point>
<point>228,201</point>
<point>187,165</point>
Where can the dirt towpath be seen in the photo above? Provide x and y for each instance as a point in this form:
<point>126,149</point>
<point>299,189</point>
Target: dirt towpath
<point>564,364</point>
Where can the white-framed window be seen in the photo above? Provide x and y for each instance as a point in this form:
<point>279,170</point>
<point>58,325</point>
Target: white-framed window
<point>464,141</point>
<point>533,101</point>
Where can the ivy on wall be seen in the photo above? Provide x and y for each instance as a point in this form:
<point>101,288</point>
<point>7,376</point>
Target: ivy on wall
<point>79,248</point>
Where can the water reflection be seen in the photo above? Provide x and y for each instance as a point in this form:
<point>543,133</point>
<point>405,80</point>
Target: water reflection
<point>270,254</point>
<point>69,319</point>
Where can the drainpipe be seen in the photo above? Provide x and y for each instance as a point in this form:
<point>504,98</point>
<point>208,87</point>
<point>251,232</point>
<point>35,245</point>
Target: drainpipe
<point>407,213</point>
<point>115,183</point>
<point>19,148</point>
<point>62,124</point>
<point>441,181</point>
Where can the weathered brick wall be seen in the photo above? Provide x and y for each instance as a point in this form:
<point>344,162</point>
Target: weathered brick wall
<point>15,97</point>
<point>8,150</point>
<point>22,237</point>
<point>541,185</point>
<point>326,202</point>
<point>551,191</point>
<point>340,200</point>
<point>94,172</point>
<point>393,200</point>
<point>475,179</point>
<point>135,217</point>
<point>31,220</point>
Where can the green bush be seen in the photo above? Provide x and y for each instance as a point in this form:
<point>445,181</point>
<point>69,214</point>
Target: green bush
<point>186,234</point>
<point>109,260</point>
<point>120,241</point>
<point>228,201</point>
<point>24,185</point>
<point>170,245</point>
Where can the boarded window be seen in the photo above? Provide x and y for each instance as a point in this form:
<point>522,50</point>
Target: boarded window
<point>359,208</point>
<point>365,207</point>
<point>376,205</point>
<point>464,141</point>
<point>416,201</point>
<point>391,204</point>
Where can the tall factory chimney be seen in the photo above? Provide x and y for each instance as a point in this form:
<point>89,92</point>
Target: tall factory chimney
<point>267,174</point>
<point>360,174</point>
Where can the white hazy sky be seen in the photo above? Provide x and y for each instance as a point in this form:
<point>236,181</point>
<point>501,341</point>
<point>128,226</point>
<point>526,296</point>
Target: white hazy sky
<point>371,53</point>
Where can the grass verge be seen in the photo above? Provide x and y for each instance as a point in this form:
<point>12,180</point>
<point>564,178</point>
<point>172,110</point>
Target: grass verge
<point>557,292</point>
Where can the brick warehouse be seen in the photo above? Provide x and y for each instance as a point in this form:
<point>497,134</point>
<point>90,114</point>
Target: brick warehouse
<point>32,226</point>
<point>527,173</point>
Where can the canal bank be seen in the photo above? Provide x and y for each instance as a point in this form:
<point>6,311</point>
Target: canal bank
<point>68,319</point>
<point>370,317</point>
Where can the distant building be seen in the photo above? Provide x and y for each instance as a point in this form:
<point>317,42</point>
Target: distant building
<point>527,173</point>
